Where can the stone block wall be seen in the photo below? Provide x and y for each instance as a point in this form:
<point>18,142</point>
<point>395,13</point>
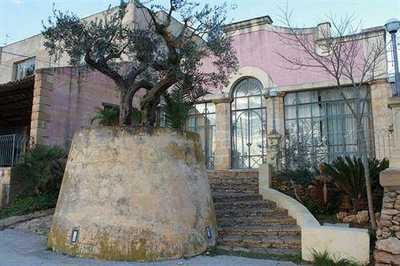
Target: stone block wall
<point>65,100</point>
<point>5,176</point>
<point>388,244</point>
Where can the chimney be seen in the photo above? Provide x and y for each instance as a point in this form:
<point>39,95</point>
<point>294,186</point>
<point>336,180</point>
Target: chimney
<point>323,30</point>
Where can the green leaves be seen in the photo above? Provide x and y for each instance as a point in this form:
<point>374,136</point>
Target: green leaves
<point>107,116</point>
<point>176,109</point>
<point>162,45</point>
<point>40,171</point>
<point>349,177</point>
<point>324,259</point>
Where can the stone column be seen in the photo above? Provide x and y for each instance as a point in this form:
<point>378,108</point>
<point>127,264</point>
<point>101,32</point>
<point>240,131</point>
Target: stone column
<point>387,248</point>
<point>273,150</point>
<point>223,134</point>
<point>394,104</point>
<point>381,92</point>
<point>274,135</point>
<point>279,113</point>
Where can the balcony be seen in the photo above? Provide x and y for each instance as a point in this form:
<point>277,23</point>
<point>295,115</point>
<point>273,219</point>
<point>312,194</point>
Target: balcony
<point>12,147</point>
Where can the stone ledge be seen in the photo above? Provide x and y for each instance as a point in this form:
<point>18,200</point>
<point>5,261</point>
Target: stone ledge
<point>7,222</point>
<point>390,177</point>
<point>394,101</point>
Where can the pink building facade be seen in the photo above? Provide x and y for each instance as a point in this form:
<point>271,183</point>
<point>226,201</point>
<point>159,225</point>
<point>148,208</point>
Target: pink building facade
<point>308,113</point>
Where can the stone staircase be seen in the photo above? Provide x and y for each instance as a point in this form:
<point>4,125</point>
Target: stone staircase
<point>246,222</point>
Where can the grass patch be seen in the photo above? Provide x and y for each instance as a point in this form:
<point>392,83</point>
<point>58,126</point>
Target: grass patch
<point>30,204</point>
<point>324,259</point>
<point>215,251</point>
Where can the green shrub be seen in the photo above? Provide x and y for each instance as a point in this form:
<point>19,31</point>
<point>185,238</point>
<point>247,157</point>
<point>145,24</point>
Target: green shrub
<point>348,175</point>
<point>30,204</point>
<point>39,172</point>
<point>108,116</point>
<point>324,259</point>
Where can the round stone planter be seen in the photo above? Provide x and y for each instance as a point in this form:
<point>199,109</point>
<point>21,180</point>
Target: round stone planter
<point>131,195</point>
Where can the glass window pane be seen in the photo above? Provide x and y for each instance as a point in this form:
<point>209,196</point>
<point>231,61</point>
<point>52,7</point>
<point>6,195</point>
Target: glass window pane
<point>241,104</point>
<point>290,99</point>
<point>200,108</point>
<point>255,101</point>
<point>24,68</point>
<point>326,126</point>
<point>290,112</point>
<point>307,97</point>
<point>210,108</point>
<point>304,111</point>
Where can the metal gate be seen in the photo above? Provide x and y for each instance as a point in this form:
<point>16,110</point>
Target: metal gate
<point>248,122</point>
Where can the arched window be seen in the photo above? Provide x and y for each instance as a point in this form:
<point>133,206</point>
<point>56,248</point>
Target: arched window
<point>248,124</point>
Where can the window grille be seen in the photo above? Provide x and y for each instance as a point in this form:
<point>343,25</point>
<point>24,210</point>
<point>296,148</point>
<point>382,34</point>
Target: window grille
<point>320,126</point>
<point>248,124</point>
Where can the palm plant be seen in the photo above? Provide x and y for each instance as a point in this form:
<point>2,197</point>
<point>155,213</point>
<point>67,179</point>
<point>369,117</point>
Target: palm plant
<point>349,177</point>
<point>107,117</point>
<point>176,109</point>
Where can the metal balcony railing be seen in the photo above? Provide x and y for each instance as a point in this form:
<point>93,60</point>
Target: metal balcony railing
<point>12,147</point>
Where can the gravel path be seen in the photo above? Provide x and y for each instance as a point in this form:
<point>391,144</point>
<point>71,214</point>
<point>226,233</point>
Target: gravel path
<point>29,249</point>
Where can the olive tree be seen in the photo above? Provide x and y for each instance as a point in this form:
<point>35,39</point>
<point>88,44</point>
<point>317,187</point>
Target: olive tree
<point>166,47</point>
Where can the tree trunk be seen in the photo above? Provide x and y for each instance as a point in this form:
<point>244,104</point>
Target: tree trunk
<point>149,113</point>
<point>363,148</point>
<point>125,108</point>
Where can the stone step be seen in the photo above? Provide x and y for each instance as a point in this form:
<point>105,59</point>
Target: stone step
<point>245,204</point>
<point>232,197</point>
<point>260,230</point>
<point>288,242</point>
<point>232,173</point>
<point>264,251</point>
<point>233,180</point>
<point>249,221</point>
<point>250,212</point>
<point>233,185</point>
<point>235,190</point>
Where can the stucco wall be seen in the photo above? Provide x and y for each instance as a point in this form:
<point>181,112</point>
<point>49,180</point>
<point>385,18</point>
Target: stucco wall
<point>340,242</point>
<point>134,195</point>
<point>65,100</point>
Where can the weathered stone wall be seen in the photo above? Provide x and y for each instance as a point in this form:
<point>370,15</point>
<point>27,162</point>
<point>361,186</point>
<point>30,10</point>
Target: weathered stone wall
<point>5,176</point>
<point>388,244</point>
<point>65,100</point>
<point>134,196</point>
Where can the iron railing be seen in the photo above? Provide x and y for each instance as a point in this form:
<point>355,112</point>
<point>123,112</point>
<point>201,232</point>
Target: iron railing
<point>12,147</point>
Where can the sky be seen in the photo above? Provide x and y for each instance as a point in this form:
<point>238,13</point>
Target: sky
<point>20,19</point>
